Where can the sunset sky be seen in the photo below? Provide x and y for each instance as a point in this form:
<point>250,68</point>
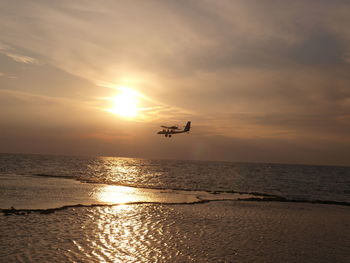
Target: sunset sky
<point>261,81</point>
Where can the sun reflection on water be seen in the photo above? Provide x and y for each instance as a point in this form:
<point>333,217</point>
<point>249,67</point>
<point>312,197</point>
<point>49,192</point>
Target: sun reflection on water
<point>114,194</point>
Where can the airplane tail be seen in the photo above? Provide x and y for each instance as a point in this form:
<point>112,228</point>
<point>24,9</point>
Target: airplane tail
<point>187,127</point>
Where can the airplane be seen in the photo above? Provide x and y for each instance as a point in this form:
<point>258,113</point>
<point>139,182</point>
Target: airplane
<point>170,130</point>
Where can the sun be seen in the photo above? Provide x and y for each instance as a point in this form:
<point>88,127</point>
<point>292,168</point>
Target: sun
<point>125,104</point>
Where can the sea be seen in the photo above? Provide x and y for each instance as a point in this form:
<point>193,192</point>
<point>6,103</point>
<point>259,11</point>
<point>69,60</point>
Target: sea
<point>113,209</point>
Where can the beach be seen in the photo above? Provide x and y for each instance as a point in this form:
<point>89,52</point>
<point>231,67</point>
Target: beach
<point>217,231</point>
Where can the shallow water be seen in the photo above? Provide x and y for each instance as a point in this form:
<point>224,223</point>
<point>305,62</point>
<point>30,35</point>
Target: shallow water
<point>137,210</point>
<point>33,192</point>
<point>212,232</point>
<point>301,182</point>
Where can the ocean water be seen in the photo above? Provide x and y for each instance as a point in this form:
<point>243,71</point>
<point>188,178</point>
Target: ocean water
<point>294,182</point>
<point>108,209</point>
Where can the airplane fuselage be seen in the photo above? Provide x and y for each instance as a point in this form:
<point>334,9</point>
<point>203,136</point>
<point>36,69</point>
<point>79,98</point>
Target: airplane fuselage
<point>173,130</point>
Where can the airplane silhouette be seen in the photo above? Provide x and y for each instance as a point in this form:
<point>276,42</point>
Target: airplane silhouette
<point>168,131</point>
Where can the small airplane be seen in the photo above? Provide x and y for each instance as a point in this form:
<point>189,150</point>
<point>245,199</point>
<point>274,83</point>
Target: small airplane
<point>170,130</point>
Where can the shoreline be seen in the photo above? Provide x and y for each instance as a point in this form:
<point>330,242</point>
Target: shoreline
<point>25,194</point>
<point>14,211</point>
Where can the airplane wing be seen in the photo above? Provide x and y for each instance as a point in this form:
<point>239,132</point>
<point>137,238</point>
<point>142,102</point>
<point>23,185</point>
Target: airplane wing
<point>170,127</point>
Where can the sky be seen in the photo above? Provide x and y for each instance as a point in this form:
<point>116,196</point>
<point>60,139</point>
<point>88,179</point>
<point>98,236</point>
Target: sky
<point>261,80</point>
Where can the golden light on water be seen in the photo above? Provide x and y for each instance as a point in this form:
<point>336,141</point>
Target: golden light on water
<point>125,103</point>
<point>114,194</point>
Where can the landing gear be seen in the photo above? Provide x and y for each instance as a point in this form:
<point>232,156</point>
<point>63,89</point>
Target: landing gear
<point>169,135</point>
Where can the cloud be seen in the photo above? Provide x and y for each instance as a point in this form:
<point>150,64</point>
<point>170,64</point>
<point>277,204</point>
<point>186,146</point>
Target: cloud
<point>21,58</point>
<point>5,50</point>
<point>241,70</point>
<point>180,39</point>
<point>5,75</point>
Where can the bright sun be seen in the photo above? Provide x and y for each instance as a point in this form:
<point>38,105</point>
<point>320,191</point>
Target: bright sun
<point>125,104</point>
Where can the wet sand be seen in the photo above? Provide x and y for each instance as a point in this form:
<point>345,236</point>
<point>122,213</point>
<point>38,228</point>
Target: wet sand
<point>225,231</point>
<point>64,220</point>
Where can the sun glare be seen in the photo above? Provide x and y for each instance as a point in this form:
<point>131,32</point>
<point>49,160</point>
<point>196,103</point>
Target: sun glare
<point>125,104</point>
